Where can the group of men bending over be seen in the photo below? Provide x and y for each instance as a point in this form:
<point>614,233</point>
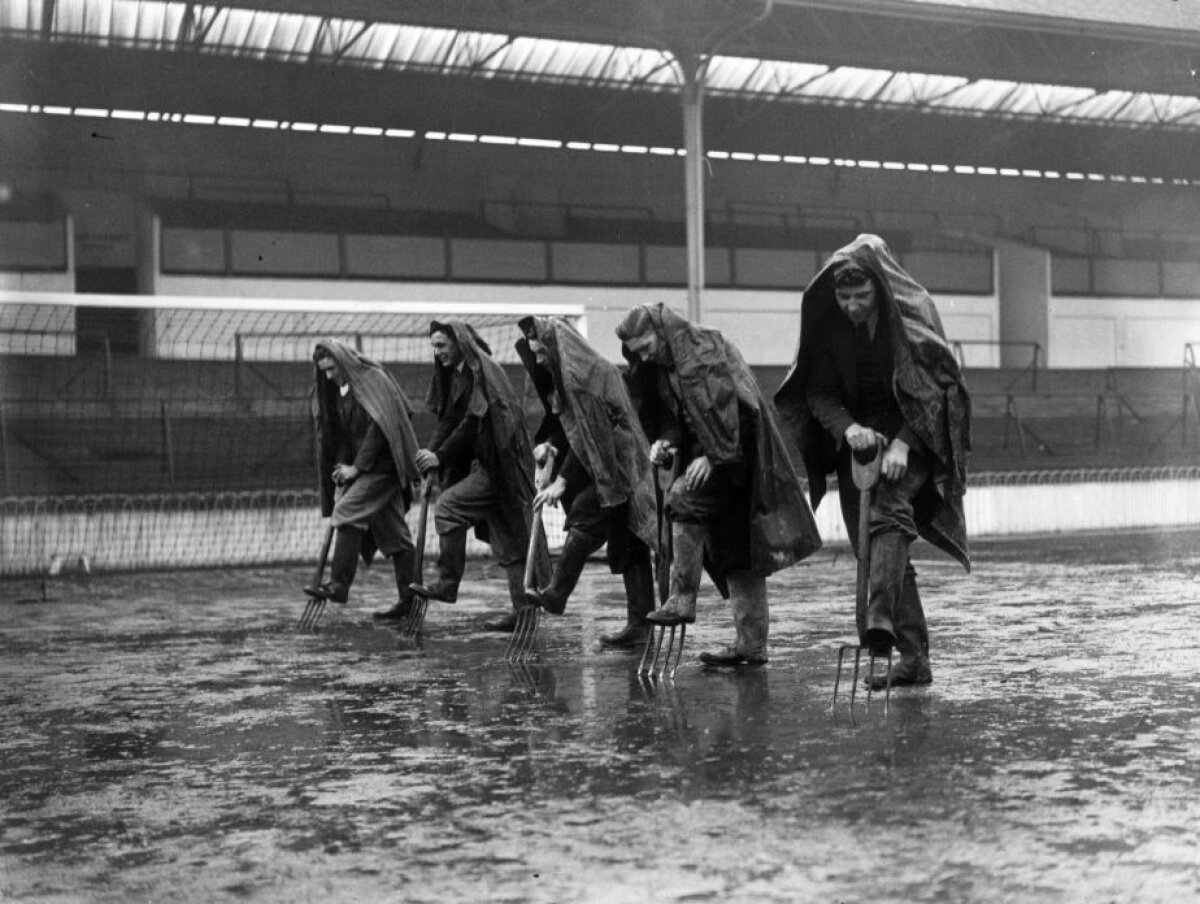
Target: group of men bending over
<point>873,375</point>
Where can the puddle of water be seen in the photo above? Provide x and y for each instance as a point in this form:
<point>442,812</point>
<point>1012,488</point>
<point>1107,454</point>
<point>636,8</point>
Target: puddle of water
<point>171,736</point>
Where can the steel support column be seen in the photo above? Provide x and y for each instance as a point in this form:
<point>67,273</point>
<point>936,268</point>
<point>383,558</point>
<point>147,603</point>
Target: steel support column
<point>693,168</point>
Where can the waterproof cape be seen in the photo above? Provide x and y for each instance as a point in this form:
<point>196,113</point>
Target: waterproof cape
<point>503,432</point>
<point>714,379</point>
<point>927,382</point>
<point>602,428</point>
<point>384,401</point>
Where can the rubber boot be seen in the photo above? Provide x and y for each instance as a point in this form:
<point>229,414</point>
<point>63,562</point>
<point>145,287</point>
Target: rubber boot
<point>912,638</point>
<point>748,596</point>
<point>889,557</point>
<point>452,562</point>
<point>576,549</point>
<point>687,564</point>
<point>639,602</point>
<point>346,549</point>
<point>403,564</point>
<point>515,575</point>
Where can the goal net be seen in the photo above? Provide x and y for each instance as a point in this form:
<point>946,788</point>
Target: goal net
<point>144,431</point>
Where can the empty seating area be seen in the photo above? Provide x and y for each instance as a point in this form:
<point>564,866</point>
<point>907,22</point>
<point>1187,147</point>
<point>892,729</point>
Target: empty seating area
<point>92,425</point>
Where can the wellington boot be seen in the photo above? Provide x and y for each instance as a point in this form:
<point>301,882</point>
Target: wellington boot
<point>403,564</point>
<point>912,639</point>
<point>505,623</point>
<point>452,562</point>
<point>576,549</point>
<point>731,656</point>
<point>751,614</point>
<point>687,564</point>
<point>906,671</point>
<point>346,550</point>
<point>639,603</point>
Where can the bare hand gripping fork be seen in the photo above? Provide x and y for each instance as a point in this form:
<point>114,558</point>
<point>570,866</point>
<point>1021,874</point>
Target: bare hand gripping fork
<point>412,623</point>
<point>315,607</point>
<point>529,616</point>
<point>649,664</point>
<point>866,477</point>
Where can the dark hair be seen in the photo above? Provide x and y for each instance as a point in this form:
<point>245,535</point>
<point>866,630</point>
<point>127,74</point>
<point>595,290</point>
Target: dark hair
<point>850,275</point>
<point>529,328</point>
<point>635,323</point>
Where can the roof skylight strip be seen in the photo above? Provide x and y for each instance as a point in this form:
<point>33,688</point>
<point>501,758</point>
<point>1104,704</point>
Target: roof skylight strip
<point>342,129</point>
<point>298,37</point>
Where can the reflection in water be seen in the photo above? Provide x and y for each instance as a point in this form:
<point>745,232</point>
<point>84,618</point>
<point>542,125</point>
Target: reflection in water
<point>201,751</point>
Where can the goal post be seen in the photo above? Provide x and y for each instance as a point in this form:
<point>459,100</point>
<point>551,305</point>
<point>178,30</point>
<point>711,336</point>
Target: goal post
<point>177,432</point>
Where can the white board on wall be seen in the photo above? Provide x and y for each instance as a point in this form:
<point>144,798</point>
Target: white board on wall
<point>1082,342</point>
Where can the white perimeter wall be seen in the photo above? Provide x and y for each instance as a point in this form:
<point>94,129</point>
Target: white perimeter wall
<point>764,324</point>
<point>1121,332</point>
<point>36,538</point>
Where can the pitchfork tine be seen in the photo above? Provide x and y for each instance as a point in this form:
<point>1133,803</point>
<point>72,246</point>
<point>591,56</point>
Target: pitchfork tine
<point>524,631</point>
<point>415,620</point>
<point>312,613</point>
<point>649,664</point>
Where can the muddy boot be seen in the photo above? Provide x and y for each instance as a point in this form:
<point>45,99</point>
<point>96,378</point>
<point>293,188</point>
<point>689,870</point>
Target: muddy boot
<point>452,562</point>
<point>515,575</point>
<point>505,623</point>
<point>687,564</point>
<point>912,639</point>
<point>576,549</point>
<point>748,596</point>
<point>346,549</point>
<point>639,602</point>
<point>889,555</point>
<point>402,564</point>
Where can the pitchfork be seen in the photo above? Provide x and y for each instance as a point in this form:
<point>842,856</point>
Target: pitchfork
<point>529,616</point>
<point>866,476</point>
<point>410,625</point>
<point>315,607</point>
<point>649,665</point>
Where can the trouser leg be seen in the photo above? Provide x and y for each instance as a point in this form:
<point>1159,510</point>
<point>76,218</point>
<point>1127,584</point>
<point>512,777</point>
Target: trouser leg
<point>889,564</point>
<point>346,550</point>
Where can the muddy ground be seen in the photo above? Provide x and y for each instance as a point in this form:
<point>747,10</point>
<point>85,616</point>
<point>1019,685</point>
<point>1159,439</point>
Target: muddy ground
<point>173,737</point>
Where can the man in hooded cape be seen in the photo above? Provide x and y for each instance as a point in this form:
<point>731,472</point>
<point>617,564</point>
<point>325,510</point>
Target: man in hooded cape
<point>366,467</point>
<point>481,449</point>
<point>874,369</point>
<point>601,474</point>
<point>738,508</point>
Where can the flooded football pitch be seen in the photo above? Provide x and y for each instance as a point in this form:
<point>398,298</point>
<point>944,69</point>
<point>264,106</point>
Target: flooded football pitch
<point>173,737</point>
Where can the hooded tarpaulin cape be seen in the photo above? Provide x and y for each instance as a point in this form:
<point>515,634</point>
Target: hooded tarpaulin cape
<point>927,383</point>
<point>601,425</point>
<point>504,446</point>
<point>384,401</point>
<point>714,379</point>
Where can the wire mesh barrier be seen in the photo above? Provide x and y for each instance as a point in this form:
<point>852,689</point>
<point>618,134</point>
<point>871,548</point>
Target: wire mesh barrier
<point>198,450</point>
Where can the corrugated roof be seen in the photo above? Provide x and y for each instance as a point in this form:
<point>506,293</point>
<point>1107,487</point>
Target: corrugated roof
<point>301,38</point>
<point>1165,14</point>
